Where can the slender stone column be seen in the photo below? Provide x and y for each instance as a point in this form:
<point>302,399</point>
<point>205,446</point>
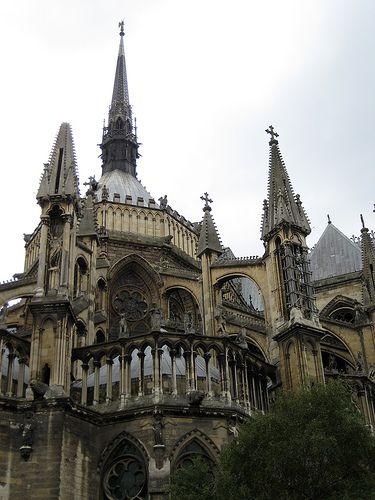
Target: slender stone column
<point>21,377</point>
<point>39,292</point>
<point>1,363</point>
<point>141,376</point>
<point>172,354</point>
<point>128,380</point>
<point>254,391</point>
<point>85,368</point>
<point>221,359</point>
<point>156,381</point>
<point>96,381</point>
<point>9,390</point>
<point>67,219</point>
<point>207,357</point>
<point>108,396</point>
<point>234,388</point>
<point>246,386</point>
<point>261,398</point>
<point>193,371</point>
<point>187,355</point>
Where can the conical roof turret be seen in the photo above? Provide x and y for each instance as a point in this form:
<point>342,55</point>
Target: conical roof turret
<point>368,265</point>
<point>209,240</point>
<point>281,205</point>
<point>60,177</point>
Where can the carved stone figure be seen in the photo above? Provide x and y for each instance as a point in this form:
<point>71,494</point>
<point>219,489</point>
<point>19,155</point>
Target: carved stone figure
<point>123,333</point>
<point>241,337</point>
<point>158,430</point>
<point>189,323</point>
<point>155,315</point>
<point>4,312</point>
<point>220,316</point>
<point>360,363</point>
<point>332,363</point>
<point>27,440</point>
<point>196,397</point>
<point>163,201</point>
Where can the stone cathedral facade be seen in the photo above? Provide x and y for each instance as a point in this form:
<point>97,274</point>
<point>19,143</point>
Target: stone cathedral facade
<point>134,340</point>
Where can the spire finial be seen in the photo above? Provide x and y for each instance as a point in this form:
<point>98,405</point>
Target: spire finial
<point>121,26</point>
<point>270,130</point>
<point>206,200</point>
<point>329,219</point>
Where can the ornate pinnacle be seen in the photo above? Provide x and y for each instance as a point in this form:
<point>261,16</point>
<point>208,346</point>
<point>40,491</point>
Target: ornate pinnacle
<point>273,134</point>
<point>206,200</point>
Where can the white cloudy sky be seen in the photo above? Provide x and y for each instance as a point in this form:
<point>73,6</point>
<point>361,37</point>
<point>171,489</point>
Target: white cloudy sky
<point>206,77</point>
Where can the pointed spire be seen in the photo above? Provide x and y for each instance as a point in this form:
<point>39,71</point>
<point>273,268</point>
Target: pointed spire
<point>119,145</point>
<point>120,106</point>
<point>209,239</point>
<point>368,265</point>
<point>282,205</point>
<point>60,173</point>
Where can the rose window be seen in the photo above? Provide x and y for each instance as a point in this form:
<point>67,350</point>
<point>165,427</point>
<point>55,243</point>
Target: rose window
<point>131,303</point>
<point>125,479</point>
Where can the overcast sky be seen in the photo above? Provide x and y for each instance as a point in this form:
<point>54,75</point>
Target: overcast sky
<point>206,77</point>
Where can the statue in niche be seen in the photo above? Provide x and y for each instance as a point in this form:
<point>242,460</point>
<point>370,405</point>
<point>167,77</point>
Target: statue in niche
<point>241,337</point>
<point>189,322</point>
<point>4,312</point>
<point>158,430</point>
<point>123,333</point>
<point>332,363</point>
<point>360,363</point>
<point>220,317</point>
<point>155,315</point>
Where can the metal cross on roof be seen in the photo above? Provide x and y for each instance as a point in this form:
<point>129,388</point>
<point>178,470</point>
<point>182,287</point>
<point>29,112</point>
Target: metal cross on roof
<point>206,200</point>
<point>273,134</point>
<point>121,26</point>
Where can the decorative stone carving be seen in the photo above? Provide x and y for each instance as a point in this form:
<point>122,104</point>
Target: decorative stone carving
<point>123,332</point>
<point>132,304</point>
<point>27,438</point>
<point>155,314</point>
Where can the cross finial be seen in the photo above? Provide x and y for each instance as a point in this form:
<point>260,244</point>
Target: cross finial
<point>206,200</point>
<point>270,130</point>
<point>121,26</point>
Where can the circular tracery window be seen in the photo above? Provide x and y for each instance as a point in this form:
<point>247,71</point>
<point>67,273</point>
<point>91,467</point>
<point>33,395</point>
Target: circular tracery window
<point>132,303</point>
<point>125,479</point>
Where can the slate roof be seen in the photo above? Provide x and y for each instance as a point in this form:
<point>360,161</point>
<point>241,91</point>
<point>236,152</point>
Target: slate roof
<point>334,254</point>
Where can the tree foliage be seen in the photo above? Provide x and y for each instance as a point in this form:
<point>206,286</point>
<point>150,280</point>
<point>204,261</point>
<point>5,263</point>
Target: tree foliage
<point>193,482</point>
<point>313,444</point>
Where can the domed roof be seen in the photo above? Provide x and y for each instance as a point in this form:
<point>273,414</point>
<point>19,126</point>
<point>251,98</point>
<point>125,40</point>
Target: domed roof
<point>123,184</point>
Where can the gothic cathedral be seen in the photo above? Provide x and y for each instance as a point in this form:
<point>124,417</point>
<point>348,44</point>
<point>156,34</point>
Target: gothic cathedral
<point>134,340</point>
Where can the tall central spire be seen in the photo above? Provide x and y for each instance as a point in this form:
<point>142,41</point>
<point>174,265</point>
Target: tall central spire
<point>119,145</point>
<point>120,97</point>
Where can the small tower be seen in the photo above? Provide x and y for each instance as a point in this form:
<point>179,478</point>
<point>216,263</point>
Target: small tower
<point>208,250</point>
<point>293,317</point>
<point>58,197</point>
<point>119,144</point>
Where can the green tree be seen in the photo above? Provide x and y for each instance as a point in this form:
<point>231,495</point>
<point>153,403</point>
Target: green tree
<point>193,482</point>
<point>313,444</point>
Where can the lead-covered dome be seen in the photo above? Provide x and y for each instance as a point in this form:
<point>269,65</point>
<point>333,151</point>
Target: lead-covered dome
<point>123,187</point>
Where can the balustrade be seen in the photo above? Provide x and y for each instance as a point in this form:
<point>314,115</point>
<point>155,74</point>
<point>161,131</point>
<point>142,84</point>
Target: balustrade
<point>139,369</point>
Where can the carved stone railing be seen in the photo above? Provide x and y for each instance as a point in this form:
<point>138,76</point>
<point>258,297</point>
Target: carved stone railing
<point>187,369</point>
<point>14,361</point>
